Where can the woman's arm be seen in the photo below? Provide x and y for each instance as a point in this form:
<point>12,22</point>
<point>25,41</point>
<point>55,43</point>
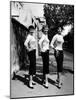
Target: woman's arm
<point>40,41</point>
<point>52,44</point>
<point>53,41</point>
<point>26,42</point>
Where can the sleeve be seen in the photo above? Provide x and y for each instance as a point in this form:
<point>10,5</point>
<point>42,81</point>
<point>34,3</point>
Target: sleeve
<point>27,41</point>
<point>53,41</point>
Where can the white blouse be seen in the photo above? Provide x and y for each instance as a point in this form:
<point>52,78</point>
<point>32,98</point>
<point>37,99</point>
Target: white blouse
<point>57,42</point>
<point>30,43</point>
<point>44,43</point>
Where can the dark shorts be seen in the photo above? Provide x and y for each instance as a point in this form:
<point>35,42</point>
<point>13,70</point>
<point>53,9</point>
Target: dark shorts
<point>32,58</point>
<point>59,60</point>
<point>45,58</point>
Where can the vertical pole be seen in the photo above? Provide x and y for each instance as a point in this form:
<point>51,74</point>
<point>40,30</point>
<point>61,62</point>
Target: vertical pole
<point>37,43</point>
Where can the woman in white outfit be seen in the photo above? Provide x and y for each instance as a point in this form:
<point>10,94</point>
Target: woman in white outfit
<point>44,47</point>
<point>57,45</point>
<point>30,44</point>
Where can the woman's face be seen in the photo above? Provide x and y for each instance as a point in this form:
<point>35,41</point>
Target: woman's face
<point>31,31</point>
<point>59,30</point>
<point>46,30</point>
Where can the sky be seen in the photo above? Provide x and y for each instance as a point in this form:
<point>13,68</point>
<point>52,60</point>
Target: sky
<point>28,11</point>
<point>36,9</point>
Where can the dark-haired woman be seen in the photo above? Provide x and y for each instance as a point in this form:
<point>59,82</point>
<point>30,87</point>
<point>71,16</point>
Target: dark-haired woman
<point>44,47</point>
<point>57,45</point>
<point>30,44</point>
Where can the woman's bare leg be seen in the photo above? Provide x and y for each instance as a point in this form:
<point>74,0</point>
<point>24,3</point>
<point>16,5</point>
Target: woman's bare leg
<point>46,80</point>
<point>59,81</point>
<point>30,81</point>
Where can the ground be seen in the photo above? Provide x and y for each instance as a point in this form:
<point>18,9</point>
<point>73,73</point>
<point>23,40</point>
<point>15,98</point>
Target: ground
<point>20,88</point>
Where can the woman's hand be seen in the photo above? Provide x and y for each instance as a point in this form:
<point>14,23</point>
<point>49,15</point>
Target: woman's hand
<point>57,53</point>
<point>28,49</point>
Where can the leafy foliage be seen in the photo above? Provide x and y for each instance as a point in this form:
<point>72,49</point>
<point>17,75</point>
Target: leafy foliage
<point>59,15</point>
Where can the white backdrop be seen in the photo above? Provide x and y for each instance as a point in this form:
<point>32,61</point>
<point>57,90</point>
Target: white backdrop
<point>5,49</point>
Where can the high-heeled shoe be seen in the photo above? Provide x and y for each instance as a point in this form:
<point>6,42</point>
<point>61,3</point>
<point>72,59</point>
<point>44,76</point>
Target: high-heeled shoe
<point>57,81</point>
<point>46,85</point>
<point>59,85</point>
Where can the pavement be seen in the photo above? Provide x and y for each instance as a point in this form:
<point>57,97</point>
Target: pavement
<point>20,88</point>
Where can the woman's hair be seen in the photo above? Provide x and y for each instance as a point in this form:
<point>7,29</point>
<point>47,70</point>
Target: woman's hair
<point>44,27</point>
<point>60,27</point>
<point>31,27</point>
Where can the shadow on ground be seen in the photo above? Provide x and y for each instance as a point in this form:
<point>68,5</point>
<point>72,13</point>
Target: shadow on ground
<point>37,79</point>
